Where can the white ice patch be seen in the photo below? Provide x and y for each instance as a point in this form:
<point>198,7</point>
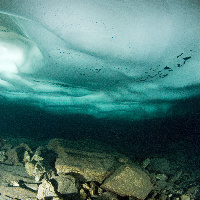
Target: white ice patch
<point>18,54</point>
<point>131,59</point>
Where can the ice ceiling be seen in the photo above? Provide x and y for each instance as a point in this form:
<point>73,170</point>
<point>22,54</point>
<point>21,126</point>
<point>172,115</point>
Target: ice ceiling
<point>107,58</point>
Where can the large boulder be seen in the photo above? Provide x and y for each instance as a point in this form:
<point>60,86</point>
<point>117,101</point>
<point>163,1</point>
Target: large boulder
<point>129,180</point>
<point>66,185</point>
<point>89,167</point>
<point>88,161</point>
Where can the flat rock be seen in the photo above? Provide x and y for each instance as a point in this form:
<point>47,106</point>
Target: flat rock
<point>88,160</point>
<point>129,180</point>
<point>91,168</point>
<point>17,193</point>
<point>16,173</point>
<point>12,175</point>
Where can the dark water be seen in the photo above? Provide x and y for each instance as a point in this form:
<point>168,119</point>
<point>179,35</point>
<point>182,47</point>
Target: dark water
<point>138,138</point>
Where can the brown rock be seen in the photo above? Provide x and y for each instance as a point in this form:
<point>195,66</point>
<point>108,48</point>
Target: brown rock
<point>89,161</point>
<point>90,168</point>
<point>129,180</point>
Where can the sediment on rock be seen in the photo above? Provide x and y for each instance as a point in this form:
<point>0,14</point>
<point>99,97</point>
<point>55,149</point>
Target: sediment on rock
<point>61,170</point>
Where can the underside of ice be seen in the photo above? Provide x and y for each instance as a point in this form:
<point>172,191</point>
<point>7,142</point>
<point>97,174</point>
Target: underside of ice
<point>118,59</point>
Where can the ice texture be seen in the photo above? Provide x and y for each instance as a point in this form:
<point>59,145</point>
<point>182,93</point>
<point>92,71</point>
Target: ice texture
<point>111,58</point>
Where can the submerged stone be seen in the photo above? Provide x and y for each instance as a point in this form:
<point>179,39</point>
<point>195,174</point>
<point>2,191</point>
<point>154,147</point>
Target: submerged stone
<point>90,168</point>
<point>14,183</point>
<point>17,193</point>
<point>16,155</point>
<point>129,180</point>
<point>107,196</point>
<point>66,184</point>
<point>42,162</point>
<point>46,189</point>
<point>30,167</point>
<point>2,156</point>
<point>89,164</point>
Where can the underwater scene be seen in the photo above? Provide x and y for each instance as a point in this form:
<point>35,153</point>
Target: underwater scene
<point>99,100</point>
